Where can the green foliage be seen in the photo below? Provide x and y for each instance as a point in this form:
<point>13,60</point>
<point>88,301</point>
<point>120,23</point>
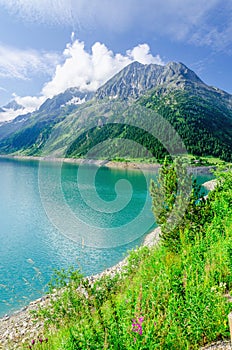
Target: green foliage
<point>204,123</point>
<point>203,120</point>
<point>97,135</point>
<point>177,204</point>
<point>31,137</point>
<point>163,299</point>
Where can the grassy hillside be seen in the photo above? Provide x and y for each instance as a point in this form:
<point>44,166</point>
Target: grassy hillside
<point>164,299</point>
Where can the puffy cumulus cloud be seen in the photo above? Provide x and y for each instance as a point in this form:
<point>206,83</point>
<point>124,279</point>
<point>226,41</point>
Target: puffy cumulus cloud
<point>80,68</point>
<point>88,71</point>
<point>22,64</point>
<point>141,53</point>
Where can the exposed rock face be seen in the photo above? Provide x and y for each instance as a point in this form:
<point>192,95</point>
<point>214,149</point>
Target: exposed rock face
<point>135,79</point>
<point>71,96</point>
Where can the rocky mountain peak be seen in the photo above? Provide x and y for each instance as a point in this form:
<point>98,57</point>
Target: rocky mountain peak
<point>137,78</point>
<point>179,71</point>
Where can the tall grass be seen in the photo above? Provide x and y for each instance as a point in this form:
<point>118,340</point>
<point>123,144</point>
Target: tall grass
<point>163,299</point>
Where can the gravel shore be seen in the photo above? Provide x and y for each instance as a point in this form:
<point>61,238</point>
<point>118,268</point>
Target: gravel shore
<point>220,345</point>
<point>196,170</point>
<point>22,327</point>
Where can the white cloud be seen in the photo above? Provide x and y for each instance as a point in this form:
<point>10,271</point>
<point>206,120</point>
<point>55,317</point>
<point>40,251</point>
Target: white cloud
<point>72,36</point>
<point>10,114</point>
<point>179,19</point>
<point>122,12</point>
<point>30,103</point>
<point>82,69</point>
<point>23,64</point>
<point>141,53</point>
<point>213,37</point>
<point>88,71</point>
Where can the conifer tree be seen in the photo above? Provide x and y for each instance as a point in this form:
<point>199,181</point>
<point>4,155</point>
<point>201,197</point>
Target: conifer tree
<point>177,203</point>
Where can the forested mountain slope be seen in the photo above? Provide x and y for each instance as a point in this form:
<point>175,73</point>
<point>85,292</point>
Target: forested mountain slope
<point>200,114</point>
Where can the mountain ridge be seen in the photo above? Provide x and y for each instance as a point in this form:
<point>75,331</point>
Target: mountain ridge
<point>200,114</point>
<point>136,78</point>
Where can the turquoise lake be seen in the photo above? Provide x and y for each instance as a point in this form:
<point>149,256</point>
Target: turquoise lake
<point>55,215</point>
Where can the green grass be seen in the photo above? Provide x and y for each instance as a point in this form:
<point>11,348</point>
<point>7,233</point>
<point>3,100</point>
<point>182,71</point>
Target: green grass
<point>206,161</point>
<point>162,300</point>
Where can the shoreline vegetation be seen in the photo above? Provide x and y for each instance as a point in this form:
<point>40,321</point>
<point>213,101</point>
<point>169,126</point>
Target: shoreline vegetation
<point>23,327</point>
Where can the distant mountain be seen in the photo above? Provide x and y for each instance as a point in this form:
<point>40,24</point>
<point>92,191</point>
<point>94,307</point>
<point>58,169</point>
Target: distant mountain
<point>10,111</point>
<point>12,105</point>
<point>201,115</point>
<point>22,132</point>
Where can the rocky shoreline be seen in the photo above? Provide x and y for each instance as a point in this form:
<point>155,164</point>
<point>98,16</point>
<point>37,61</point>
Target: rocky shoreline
<point>195,170</point>
<point>21,327</point>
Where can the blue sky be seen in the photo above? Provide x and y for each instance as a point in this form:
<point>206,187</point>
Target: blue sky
<point>47,46</point>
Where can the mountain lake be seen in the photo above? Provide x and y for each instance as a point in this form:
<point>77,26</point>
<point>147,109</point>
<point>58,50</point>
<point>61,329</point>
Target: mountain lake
<point>56,215</point>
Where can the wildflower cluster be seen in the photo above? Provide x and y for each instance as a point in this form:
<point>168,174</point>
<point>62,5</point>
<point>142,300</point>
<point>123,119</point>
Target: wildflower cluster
<point>40,340</point>
<point>137,325</point>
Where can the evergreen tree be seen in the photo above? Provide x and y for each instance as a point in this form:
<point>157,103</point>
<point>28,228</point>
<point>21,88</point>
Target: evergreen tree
<point>177,204</point>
